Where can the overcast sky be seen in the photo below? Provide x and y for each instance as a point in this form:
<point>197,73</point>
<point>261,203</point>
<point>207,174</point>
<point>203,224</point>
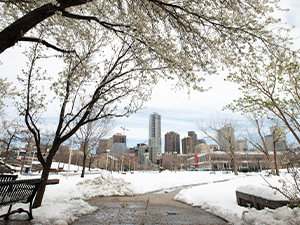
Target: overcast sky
<point>179,111</point>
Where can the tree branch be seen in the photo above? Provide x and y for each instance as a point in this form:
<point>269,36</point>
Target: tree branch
<point>93,18</point>
<point>11,34</point>
<point>47,44</point>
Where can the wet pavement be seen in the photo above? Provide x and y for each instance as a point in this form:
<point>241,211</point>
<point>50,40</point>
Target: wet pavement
<point>146,209</point>
<point>155,208</point>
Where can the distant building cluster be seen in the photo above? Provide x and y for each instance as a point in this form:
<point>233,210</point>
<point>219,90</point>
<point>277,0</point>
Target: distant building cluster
<point>191,150</point>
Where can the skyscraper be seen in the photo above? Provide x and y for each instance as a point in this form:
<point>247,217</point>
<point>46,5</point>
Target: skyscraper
<point>172,142</point>
<point>187,145</point>
<point>119,143</point>
<point>155,131</point>
<point>225,137</point>
<point>277,138</point>
<point>193,135</point>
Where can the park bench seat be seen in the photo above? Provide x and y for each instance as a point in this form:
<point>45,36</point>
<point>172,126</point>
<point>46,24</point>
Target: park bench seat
<point>18,191</point>
<point>7,177</point>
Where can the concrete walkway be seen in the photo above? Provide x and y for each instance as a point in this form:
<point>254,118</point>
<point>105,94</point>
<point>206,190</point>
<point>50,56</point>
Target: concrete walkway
<point>155,208</point>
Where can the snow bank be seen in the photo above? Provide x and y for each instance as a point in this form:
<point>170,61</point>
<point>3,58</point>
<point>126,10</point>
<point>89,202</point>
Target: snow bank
<point>105,185</point>
<point>149,181</point>
<point>220,199</point>
<point>263,192</point>
<point>63,203</point>
<point>280,216</point>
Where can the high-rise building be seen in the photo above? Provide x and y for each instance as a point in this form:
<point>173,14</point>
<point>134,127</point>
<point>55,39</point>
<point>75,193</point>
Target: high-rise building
<point>241,145</point>
<point>103,146</point>
<point>155,131</point>
<point>147,154</point>
<point>187,146</point>
<point>226,137</point>
<point>193,135</point>
<point>277,138</point>
<point>172,142</point>
<point>119,143</point>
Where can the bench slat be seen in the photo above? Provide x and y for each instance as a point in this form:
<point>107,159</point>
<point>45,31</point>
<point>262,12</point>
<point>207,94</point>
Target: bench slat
<point>7,177</point>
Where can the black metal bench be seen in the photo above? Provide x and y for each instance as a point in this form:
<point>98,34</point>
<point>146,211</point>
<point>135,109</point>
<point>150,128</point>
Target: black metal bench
<point>18,191</point>
<point>7,177</point>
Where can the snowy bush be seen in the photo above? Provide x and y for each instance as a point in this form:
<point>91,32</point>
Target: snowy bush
<point>289,186</point>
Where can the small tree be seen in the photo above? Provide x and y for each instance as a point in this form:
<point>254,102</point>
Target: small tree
<point>26,137</point>
<point>167,162</point>
<point>10,131</point>
<point>103,88</point>
<point>88,137</point>
<point>289,186</point>
<point>257,138</point>
<point>222,133</point>
<point>270,87</point>
<point>6,91</point>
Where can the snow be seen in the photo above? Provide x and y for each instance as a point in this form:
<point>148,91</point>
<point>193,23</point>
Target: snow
<point>63,203</point>
<point>263,192</point>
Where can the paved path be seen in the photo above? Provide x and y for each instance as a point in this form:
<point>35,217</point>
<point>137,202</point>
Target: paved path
<point>147,209</point>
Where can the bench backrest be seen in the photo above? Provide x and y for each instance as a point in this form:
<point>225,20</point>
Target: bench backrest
<point>7,177</point>
<point>18,191</point>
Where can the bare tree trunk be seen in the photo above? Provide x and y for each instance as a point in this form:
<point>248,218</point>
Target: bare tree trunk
<point>234,164</point>
<point>58,162</point>
<point>235,170</point>
<point>5,161</point>
<point>90,163</point>
<point>275,139</point>
<point>276,161</point>
<point>41,190</point>
<point>83,164</point>
<point>270,163</point>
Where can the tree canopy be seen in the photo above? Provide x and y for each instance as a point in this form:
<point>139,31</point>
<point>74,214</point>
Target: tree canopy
<point>183,36</point>
<point>270,86</point>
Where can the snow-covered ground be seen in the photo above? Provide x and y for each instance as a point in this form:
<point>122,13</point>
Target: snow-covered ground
<point>63,203</point>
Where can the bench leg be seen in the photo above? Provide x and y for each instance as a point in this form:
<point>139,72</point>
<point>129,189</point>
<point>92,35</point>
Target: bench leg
<point>19,210</point>
<point>30,211</point>
<point>8,213</point>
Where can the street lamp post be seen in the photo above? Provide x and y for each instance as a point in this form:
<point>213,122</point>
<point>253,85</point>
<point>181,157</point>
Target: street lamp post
<point>70,156</point>
<point>32,160</point>
<point>129,164</point>
<point>77,163</point>
<point>107,158</point>
<point>122,164</point>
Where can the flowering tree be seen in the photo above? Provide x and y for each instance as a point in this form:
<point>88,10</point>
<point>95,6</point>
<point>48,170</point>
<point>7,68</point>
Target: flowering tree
<point>116,51</point>
<point>10,131</point>
<point>184,34</point>
<point>270,87</point>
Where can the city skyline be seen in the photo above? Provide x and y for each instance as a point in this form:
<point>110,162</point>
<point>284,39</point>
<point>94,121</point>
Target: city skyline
<point>180,112</point>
